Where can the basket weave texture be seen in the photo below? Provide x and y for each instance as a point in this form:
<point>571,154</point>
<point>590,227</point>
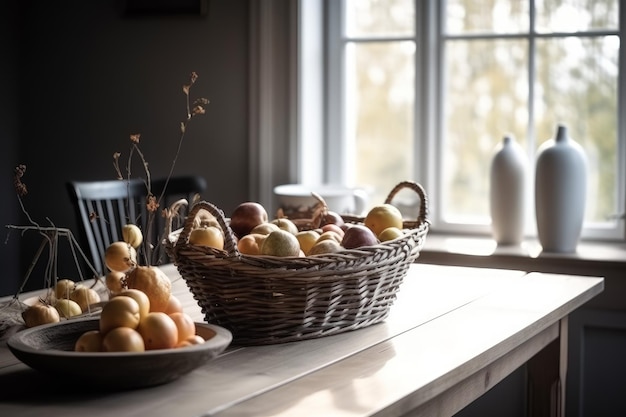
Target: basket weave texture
<point>266,299</point>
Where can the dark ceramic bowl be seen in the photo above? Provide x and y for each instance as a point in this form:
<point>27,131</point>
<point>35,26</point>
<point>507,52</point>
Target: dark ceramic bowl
<point>50,349</point>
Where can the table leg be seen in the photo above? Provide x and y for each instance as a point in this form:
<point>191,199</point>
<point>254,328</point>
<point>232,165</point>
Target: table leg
<point>547,372</point>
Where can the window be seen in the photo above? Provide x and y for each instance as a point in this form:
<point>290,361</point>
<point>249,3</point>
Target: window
<point>425,90</point>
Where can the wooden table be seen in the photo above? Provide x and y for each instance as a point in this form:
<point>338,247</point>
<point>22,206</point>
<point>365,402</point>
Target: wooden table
<point>452,334</point>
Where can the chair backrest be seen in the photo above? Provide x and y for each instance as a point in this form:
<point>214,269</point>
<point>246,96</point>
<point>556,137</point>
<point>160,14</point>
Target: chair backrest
<point>103,207</point>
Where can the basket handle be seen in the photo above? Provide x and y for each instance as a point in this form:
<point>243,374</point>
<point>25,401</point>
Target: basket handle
<point>419,190</point>
<point>229,238</point>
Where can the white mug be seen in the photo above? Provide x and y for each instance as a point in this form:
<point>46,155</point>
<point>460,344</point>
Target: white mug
<point>297,199</point>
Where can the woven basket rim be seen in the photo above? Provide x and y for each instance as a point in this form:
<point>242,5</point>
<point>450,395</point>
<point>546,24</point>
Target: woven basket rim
<point>410,227</point>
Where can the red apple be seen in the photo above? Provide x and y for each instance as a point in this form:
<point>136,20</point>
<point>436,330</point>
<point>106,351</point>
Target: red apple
<point>246,217</point>
<point>357,236</point>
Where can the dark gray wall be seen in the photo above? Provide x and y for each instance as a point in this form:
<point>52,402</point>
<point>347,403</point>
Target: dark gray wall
<point>9,253</point>
<point>78,77</point>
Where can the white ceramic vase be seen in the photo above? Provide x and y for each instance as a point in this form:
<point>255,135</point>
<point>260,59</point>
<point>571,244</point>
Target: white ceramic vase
<point>560,192</point>
<point>507,193</point>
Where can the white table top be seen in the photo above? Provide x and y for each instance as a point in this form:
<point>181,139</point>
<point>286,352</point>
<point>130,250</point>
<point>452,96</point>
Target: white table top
<point>448,324</point>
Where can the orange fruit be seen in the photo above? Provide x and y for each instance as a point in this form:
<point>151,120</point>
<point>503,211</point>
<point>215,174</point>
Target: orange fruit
<point>90,341</point>
<point>383,216</point>
<point>123,339</point>
<point>40,313</point>
<point>120,311</point>
<point>152,281</point>
<point>251,244</point>
<point>173,305</point>
<point>158,330</point>
<point>85,297</point>
<point>193,340</point>
<point>141,298</point>
<point>113,281</point>
<point>120,256</point>
<point>185,324</point>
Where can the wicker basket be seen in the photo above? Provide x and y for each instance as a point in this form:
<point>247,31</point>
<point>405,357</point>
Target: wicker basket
<point>265,299</point>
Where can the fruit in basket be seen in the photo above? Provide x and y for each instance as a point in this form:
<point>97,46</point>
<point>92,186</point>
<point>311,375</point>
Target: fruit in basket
<point>307,238</point>
<point>383,216</point>
<point>390,233</point>
<point>358,236</point>
<point>123,339</point>
<point>131,234</point>
<point>264,229</point>
<point>332,227</point>
<point>331,217</point>
<point>325,246</point>
<point>204,218</point>
<point>67,308</point>
<point>207,236</point>
<point>286,224</point>
<point>246,217</point>
<point>63,288</point>
<point>158,331</point>
<point>251,244</point>
<point>40,313</point>
<point>280,243</point>
<point>90,341</point>
<point>152,281</point>
<point>84,297</point>
<point>120,256</point>
<point>120,311</point>
<point>331,235</point>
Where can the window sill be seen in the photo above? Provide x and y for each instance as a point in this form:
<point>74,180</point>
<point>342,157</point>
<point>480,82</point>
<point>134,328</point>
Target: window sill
<point>591,258</point>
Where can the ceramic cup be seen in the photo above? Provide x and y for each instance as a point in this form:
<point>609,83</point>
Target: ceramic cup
<point>295,199</point>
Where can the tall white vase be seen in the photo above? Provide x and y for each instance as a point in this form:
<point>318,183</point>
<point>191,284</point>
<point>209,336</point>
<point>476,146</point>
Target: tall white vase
<point>560,192</point>
<point>507,194</point>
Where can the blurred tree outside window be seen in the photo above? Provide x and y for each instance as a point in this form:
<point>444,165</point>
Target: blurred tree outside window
<point>428,89</point>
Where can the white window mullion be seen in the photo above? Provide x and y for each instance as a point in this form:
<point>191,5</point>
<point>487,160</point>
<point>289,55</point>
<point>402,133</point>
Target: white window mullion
<point>310,91</point>
<point>335,154</point>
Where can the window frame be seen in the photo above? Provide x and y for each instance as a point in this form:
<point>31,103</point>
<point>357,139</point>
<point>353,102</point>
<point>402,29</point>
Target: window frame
<point>429,86</point>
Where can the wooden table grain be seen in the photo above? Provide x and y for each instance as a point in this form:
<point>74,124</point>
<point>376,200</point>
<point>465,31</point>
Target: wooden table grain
<point>453,333</point>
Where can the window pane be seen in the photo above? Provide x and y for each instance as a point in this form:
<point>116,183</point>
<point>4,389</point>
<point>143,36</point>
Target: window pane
<point>576,15</point>
<point>380,81</point>
<point>576,84</point>
<point>486,90</point>
<point>379,17</point>
<point>486,16</point>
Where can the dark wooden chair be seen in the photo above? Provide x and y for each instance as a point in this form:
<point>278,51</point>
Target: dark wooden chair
<point>102,208</point>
